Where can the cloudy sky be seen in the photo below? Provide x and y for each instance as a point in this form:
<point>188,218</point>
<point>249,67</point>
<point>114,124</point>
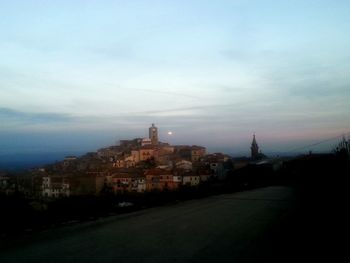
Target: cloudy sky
<point>79,75</point>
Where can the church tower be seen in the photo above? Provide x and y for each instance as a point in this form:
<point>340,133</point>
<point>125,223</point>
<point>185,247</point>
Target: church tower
<point>254,149</point>
<point>153,134</point>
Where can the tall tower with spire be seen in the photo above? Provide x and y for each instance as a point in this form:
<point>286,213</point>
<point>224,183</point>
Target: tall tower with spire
<point>254,149</point>
<point>153,134</point>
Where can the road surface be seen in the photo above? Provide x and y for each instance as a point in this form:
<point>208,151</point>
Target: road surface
<point>226,228</point>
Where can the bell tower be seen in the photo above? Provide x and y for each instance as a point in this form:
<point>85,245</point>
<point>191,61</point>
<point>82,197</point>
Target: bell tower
<point>153,134</point>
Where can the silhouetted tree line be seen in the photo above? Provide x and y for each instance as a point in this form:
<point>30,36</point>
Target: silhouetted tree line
<point>343,148</point>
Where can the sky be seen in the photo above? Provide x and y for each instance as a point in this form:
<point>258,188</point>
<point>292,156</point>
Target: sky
<point>80,75</point>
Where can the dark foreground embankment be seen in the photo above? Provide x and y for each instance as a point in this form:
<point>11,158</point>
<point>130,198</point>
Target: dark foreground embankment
<point>316,230</point>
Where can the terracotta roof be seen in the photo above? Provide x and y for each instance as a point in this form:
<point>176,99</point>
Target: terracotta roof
<point>157,171</point>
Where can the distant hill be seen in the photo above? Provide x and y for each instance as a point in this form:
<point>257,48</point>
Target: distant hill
<point>21,161</point>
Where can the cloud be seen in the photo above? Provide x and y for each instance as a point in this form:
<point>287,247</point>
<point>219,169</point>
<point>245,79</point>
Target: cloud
<point>8,114</point>
<point>187,95</point>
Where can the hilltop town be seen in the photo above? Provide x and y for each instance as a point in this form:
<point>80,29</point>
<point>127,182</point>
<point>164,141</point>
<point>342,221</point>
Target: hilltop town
<point>137,165</point>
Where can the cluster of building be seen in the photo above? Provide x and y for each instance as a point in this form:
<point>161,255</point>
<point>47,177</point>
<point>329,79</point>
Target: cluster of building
<point>138,165</point>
